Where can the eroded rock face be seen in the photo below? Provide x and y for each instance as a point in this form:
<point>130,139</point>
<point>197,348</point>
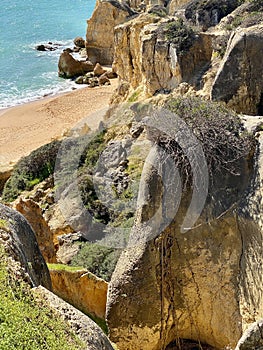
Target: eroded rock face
<point>204,284</point>
<point>33,213</point>
<point>82,289</point>
<point>87,330</point>
<point>100,31</point>
<point>241,71</point>
<point>209,13</point>
<point>174,5</point>
<point>145,58</point>
<point>21,245</point>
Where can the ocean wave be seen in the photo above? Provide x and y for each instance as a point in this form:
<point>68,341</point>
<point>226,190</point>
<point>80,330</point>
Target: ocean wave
<point>12,99</point>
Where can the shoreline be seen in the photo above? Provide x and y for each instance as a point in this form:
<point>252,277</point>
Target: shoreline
<point>26,127</point>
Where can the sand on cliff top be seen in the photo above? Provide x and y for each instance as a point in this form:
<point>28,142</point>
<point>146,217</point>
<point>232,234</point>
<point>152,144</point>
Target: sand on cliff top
<point>27,127</point>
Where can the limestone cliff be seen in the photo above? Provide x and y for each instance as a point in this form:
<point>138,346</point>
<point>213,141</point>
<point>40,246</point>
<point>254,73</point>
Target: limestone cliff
<point>82,289</point>
<point>203,284</point>
<point>149,62</point>
<point>100,30</point>
<point>241,71</point>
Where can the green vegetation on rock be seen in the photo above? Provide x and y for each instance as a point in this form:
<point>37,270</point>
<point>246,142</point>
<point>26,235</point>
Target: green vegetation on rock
<point>63,267</point>
<point>31,170</point>
<point>181,35</point>
<point>4,225</point>
<point>26,323</point>
<point>219,131</point>
<point>98,259</point>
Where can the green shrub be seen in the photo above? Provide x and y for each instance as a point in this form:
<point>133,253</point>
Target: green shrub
<point>98,259</point>
<point>27,324</point>
<point>31,170</point>
<point>219,131</point>
<point>180,35</point>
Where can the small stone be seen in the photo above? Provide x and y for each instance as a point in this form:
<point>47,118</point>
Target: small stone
<point>103,79</point>
<point>68,49</point>
<point>79,80</point>
<point>94,82</point>
<point>110,74</point>
<point>86,80</point>
<point>98,70</point>
<point>79,42</point>
<point>89,75</point>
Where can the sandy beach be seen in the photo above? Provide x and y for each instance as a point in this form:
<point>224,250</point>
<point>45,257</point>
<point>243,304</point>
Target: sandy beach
<point>29,126</point>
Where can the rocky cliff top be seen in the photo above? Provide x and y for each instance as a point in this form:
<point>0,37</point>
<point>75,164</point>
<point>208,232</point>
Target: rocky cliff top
<point>172,181</point>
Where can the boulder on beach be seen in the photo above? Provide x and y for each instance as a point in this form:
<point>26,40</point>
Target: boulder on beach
<point>69,67</point>
<point>104,80</point>
<point>98,70</point>
<point>110,74</point>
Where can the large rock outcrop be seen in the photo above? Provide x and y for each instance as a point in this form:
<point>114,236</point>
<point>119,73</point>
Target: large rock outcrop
<point>100,30</point>
<point>21,245</point>
<point>33,213</point>
<point>204,284</point>
<point>209,13</point>
<point>145,59</point>
<point>241,71</point>
<point>82,289</point>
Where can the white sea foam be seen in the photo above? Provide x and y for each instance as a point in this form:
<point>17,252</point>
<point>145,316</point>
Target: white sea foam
<point>28,74</point>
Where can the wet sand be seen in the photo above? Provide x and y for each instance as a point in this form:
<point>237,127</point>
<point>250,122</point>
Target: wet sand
<point>29,126</point>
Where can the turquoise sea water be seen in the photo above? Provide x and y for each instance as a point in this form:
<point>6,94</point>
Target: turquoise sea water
<point>27,74</point>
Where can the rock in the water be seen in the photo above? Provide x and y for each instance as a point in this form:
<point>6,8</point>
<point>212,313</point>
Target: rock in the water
<point>241,71</point>
<point>98,70</point>
<point>79,42</point>
<point>41,47</point>
<point>68,49</point>
<point>252,339</point>
<point>20,243</point>
<point>100,31</point>
<point>48,47</point>
<point>68,67</point>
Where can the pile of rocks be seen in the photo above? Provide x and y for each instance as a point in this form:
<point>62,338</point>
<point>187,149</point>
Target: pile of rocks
<point>98,77</point>
<point>83,71</point>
